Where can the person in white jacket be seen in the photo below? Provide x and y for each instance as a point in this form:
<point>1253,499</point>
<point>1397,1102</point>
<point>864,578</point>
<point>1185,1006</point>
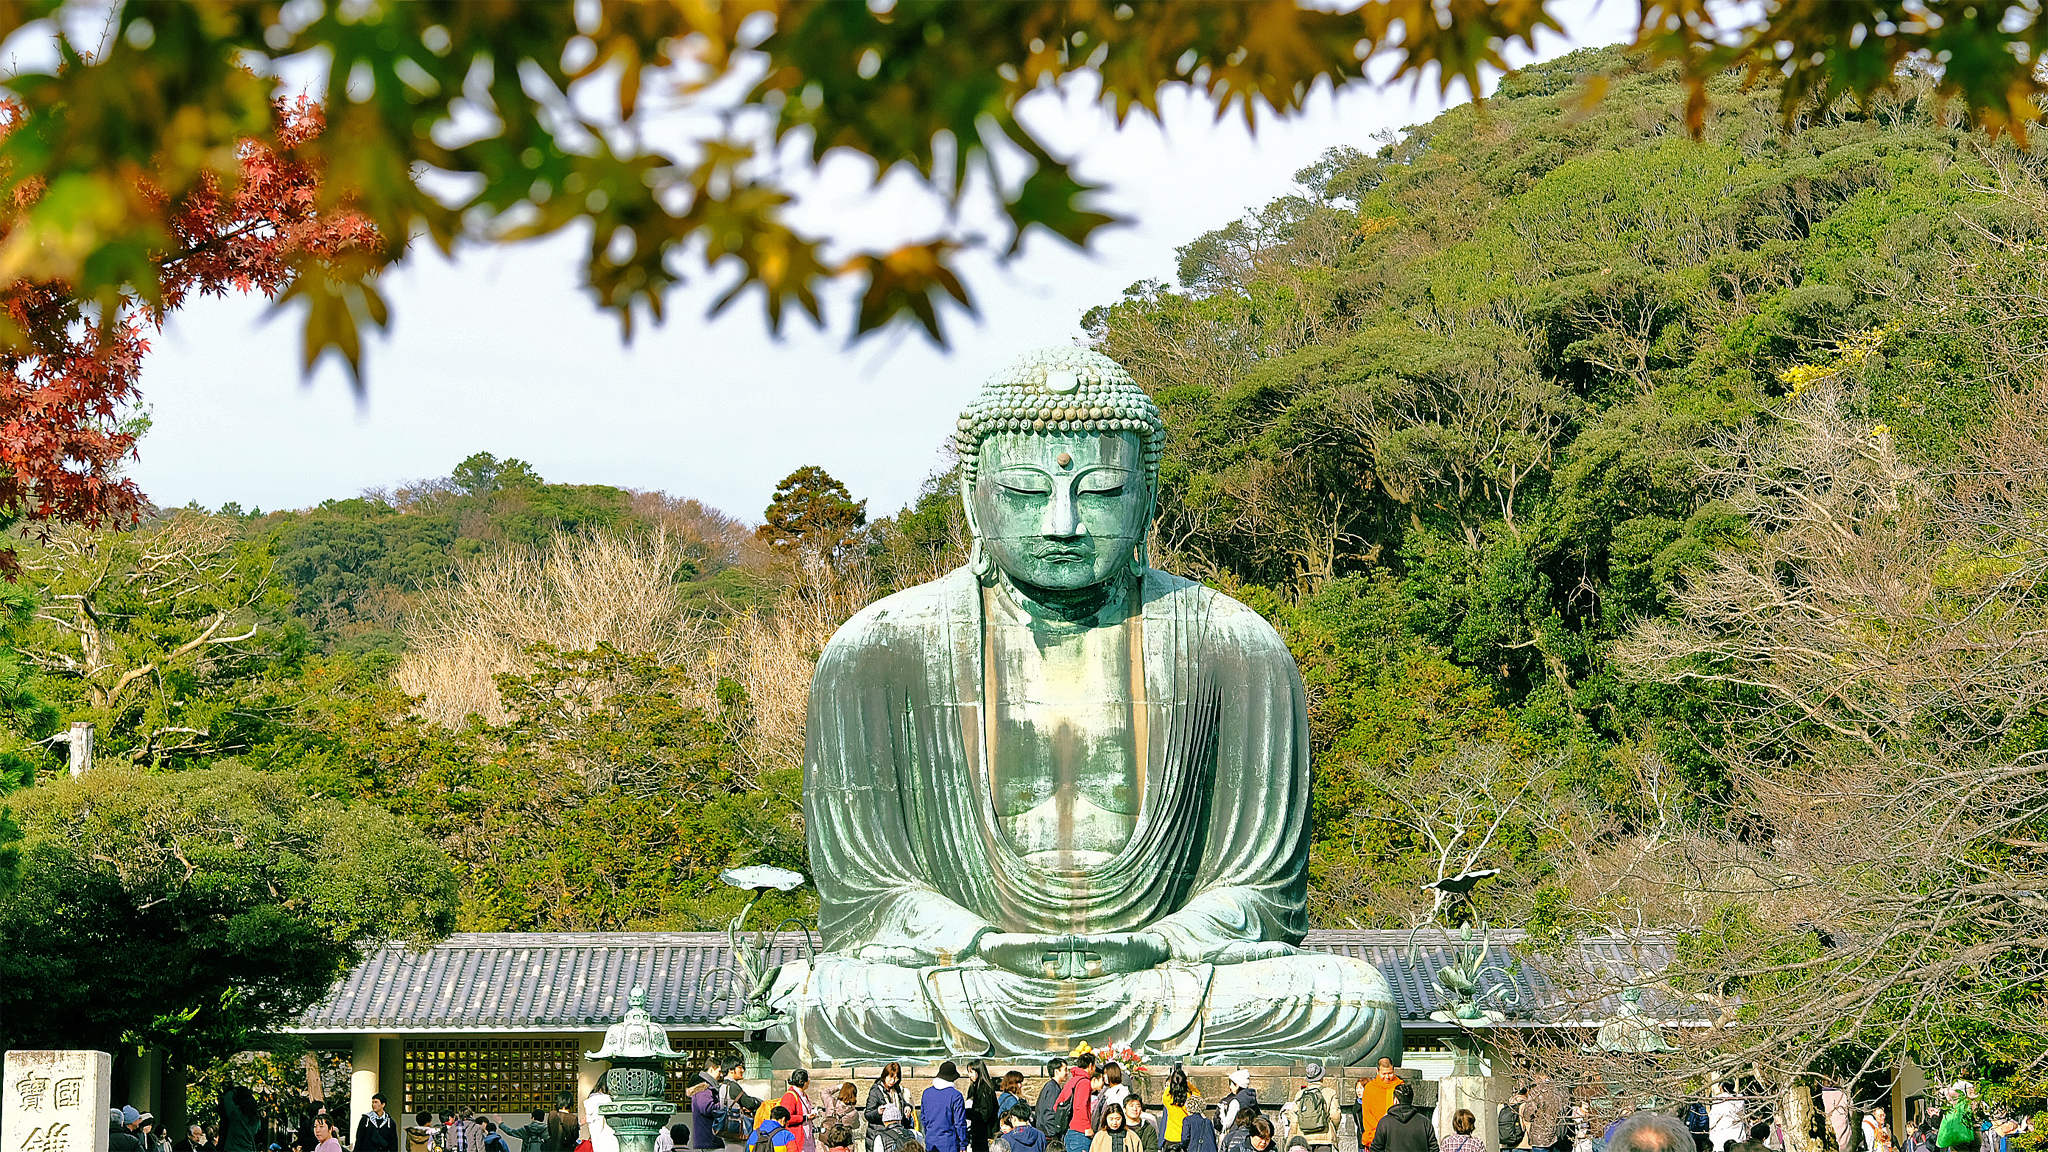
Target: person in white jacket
<point>602,1138</point>
<point>1724,1118</point>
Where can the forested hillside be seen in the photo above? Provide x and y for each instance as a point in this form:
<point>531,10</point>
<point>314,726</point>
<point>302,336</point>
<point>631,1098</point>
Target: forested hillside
<point>1618,493</point>
<point>1458,415</point>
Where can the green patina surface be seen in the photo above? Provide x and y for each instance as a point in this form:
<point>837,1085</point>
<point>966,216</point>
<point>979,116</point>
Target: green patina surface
<point>1058,797</point>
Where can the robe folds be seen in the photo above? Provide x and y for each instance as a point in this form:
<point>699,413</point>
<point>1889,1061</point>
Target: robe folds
<point>913,869</point>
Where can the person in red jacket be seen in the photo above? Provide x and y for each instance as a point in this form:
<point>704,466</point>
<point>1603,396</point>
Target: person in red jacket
<point>799,1106</point>
<point>1080,1092</point>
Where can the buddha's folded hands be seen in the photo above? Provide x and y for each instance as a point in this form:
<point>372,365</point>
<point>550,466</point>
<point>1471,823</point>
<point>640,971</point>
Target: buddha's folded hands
<point>1070,956</point>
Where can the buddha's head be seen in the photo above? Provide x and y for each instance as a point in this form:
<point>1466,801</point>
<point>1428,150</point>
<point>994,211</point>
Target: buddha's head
<point>1060,468</point>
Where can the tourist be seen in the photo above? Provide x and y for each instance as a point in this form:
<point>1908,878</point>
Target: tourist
<point>1759,1139</point>
<point>1877,1135</point>
<point>120,1136</point>
<point>1546,1115</point>
<point>1312,1114</point>
<point>1238,1136</point>
<point>376,1131</point>
<point>1181,1101</point>
<point>420,1136</point>
<point>1009,1092</point>
<point>773,1131</point>
<point>1999,1128</point>
<point>195,1141</point>
<point>1075,1103</point>
<point>1405,1128</point>
<point>1112,1135</point>
<point>1041,1113</point>
<point>597,1130</point>
<point>797,1103</point>
<point>712,1073</point>
<point>1507,1123</point>
<point>562,1125</point>
<point>665,1138</point>
<point>944,1111</point>
<point>1651,1132</point>
<point>888,1110</point>
<point>842,1107</point>
<point>455,1134</point>
<point>982,1106</point>
<point>836,1136</point>
<point>1959,1124</point>
<point>241,1120</point>
<point>1019,1133</point>
<point>304,1140</point>
<point>532,1135</point>
<point>736,1108</point>
<point>1242,1103</point>
<point>1197,1130</point>
<point>705,1121</point>
<point>1113,1088</point>
<point>323,1135</point>
<point>1724,1117</point>
<point>1375,1096</point>
<point>1581,1116</point>
<point>1136,1121</point>
<point>1259,1134</point>
<point>1916,1139</point>
<point>1462,1139</point>
<point>494,1140</point>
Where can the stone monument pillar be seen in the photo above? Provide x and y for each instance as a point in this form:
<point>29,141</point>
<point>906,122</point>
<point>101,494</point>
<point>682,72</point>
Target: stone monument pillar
<point>56,1101</point>
<point>1468,1087</point>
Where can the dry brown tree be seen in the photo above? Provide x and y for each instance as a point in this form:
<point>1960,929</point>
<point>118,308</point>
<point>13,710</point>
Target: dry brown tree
<point>580,592</point>
<point>1870,883</point>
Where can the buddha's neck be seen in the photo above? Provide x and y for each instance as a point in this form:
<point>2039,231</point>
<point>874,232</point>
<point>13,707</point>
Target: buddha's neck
<point>1064,609</point>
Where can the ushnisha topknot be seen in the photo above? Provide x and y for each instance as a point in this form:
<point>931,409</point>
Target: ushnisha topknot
<point>1061,390</point>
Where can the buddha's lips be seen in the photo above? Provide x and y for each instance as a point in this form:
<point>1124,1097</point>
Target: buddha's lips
<point>1062,553</point>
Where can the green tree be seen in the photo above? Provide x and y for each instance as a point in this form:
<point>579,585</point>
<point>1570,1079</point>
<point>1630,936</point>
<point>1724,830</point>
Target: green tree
<point>811,507</point>
<point>188,911</point>
<point>166,638</point>
<point>483,474</point>
<point>609,799</point>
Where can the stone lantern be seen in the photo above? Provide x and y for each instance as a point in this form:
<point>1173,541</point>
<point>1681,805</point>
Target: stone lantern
<point>637,1081</point>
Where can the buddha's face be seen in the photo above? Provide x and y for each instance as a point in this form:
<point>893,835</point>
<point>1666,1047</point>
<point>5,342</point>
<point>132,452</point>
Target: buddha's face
<point>1061,511</point>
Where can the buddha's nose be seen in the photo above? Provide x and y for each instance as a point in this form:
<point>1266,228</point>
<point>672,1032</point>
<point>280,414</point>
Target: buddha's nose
<point>1061,520</point>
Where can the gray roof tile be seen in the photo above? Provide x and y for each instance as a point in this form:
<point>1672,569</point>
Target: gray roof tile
<point>579,981</point>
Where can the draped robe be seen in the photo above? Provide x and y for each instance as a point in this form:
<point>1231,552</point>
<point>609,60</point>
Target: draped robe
<point>913,869</point>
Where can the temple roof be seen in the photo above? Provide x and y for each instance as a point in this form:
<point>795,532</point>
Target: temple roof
<point>505,982</point>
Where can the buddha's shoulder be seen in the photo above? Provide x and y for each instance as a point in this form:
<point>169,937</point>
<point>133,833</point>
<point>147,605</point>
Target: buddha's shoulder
<point>1223,617</point>
<point>916,610</point>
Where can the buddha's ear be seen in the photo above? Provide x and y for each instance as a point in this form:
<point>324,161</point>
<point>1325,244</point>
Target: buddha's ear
<point>1141,553</point>
<point>977,556</point>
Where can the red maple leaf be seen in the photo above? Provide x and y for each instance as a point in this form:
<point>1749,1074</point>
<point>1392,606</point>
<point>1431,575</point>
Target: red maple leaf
<point>69,373</point>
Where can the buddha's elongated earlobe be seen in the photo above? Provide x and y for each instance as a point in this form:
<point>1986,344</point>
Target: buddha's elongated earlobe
<point>1141,556</point>
<point>978,560</point>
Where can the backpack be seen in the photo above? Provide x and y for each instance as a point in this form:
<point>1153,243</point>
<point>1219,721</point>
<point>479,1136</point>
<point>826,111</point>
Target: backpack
<point>1313,1112</point>
<point>1956,1129</point>
<point>1062,1113</point>
<point>1510,1124</point>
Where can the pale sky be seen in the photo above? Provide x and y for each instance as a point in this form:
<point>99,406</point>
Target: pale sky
<point>500,351</point>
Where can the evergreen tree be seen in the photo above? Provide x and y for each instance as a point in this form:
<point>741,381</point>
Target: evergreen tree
<point>810,505</point>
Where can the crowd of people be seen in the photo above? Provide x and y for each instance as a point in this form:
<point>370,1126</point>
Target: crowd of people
<point>1091,1104</point>
<point>1088,1104</point>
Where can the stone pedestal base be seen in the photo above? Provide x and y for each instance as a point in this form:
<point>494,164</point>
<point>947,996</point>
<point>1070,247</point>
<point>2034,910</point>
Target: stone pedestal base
<point>1473,1092</point>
